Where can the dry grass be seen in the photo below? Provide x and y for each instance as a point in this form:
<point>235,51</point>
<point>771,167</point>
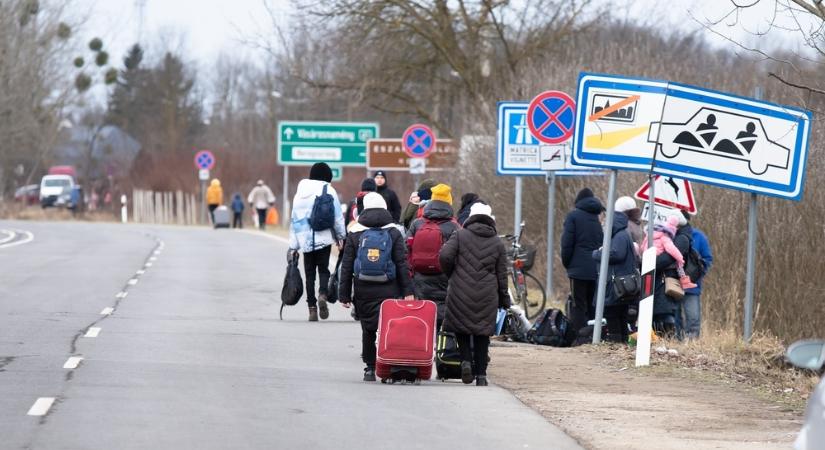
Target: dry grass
<point>15,211</point>
<point>724,357</point>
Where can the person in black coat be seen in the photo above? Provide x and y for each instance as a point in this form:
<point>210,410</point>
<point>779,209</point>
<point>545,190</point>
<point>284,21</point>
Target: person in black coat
<point>393,205</point>
<point>368,296</point>
<point>664,307</point>
<point>582,234</point>
<point>622,261</point>
<point>355,205</point>
<point>467,201</point>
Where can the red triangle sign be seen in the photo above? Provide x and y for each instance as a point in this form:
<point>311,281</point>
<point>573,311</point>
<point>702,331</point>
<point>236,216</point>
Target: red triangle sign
<point>670,192</point>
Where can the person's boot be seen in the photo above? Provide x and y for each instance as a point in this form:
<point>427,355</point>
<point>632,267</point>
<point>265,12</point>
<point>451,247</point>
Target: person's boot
<point>369,373</point>
<point>466,372</point>
<point>313,314</point>
<point>686,283</point>
<point>323,309</point>
<point>481,380</point>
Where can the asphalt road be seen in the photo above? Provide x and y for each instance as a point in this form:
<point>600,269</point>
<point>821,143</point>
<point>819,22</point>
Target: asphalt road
<point>181,348</point>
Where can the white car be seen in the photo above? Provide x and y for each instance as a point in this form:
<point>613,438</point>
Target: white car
<point>723,134</point>
<point>811,355</point>
<point>55,190</point>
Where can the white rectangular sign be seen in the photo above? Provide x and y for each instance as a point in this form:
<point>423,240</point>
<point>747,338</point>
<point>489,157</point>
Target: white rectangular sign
<point>552,157</point>
<point>691,133</point>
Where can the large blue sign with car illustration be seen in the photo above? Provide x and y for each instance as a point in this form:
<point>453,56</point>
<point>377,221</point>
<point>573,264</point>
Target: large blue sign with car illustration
<point>692,133</point>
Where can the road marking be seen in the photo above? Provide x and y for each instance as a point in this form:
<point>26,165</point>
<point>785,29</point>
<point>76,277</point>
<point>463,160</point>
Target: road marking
<point>107,311</point>
<point>11,235</point>
<point>41,406</point>
<point>140,272</point>
<point>121,294</point>
<point>266,235</point>
<point>92,332</point>
<point>72,362</point>
<point>153,258</point>
<point>132,282</point>
<point>147,265</point>
<point>29,237</point>
<point>157,252</point>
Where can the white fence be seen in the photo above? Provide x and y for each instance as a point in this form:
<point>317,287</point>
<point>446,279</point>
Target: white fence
<point>166,207</point>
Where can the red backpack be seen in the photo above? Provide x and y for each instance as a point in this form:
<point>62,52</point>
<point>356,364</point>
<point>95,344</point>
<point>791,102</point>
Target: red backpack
<point>426,245</point>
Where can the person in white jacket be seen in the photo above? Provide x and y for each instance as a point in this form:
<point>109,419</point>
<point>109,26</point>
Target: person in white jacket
<point>261,198</point>
<point>316,246</point>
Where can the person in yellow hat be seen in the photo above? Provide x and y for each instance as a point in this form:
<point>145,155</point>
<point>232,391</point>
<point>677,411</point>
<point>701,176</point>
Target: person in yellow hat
<point>425,238</point>
<point>214,197</point>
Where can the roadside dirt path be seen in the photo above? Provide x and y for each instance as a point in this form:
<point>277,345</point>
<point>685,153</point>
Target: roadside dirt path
<point>604,407</point>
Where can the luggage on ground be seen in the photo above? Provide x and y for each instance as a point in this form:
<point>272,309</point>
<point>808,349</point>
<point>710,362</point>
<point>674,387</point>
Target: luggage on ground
<point>221,217</point>
<point>293,287</point>
<point>551,328</point>
<point>516,325</point>
<point>447,356</point>
<point>406,334</point>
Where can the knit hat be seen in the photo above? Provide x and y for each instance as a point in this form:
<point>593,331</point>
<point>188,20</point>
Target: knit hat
<point>380,173</point>
<point>584,193</point>
<point>320,172</point>
<point>368,185</point>
<point>374,200</point>
<point>260,182</point>
<point>624,204</point>
<point>671,225</point>
<point>481,209</point>
<point>441,192</point>
<point>680,219</point>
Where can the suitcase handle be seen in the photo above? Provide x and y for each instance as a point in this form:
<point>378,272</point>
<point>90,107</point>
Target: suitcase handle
<point>410,304</point>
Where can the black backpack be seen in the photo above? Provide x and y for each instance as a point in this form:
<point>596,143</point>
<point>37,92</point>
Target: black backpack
<point>550,328</point>
<point>323,212</point>
<point>293,283</point>
<point>695,265</point>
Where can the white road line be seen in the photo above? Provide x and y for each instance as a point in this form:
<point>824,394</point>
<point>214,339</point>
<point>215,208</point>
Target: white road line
<point>157,252</point>
<point>266,235</point>
<point>147,265</point>
<point>106,311</point>
<point>92,332</point>
<point>132,282</point>
<point>153,258</point>
<point>72,362</point>
<point>29,237</point>
<point>140,272</point>
<point>41,406</point>
<point>121,294</point>
<point>11,235</point>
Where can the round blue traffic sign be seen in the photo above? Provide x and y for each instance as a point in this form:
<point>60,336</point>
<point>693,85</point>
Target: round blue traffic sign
<point>418,141</point>
<point>204,159</point>
<point>550,117</point>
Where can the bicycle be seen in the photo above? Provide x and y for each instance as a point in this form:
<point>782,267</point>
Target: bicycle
<point>530,293</point>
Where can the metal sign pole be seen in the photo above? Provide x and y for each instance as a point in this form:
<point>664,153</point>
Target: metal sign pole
<point>551,208</point>
<point>608,237</point>
<point>651,213</point>
<point>749,282</point>
<point>204,214</point>
<point>285,217</point>
<point>517,224</point>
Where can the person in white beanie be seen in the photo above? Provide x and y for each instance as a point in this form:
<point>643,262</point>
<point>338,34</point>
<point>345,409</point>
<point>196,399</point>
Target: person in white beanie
<point>627,205</point>
<point>378,276</point>
<point>475,260</point>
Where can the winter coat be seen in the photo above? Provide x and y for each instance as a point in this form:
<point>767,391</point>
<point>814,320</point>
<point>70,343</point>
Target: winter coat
<point>411,210</point>
<point>581,235</point>
<point>622,259</point>
<point>701,245</point>
<point>666,267</point>
<point>301,236</point>
<point>393,205</point>
<point>237,204</point>
<point>476,262</point>
<point>214,193</point>
<point>434,286</point>
<point>260,197</point>
<point>368,296</point>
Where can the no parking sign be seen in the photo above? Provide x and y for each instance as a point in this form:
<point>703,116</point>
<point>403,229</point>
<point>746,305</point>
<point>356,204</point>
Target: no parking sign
<point>550,117</point>
<point>418,141</point>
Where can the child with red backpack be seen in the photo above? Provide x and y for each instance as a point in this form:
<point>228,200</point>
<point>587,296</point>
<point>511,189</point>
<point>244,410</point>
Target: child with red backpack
<point>425,238</point>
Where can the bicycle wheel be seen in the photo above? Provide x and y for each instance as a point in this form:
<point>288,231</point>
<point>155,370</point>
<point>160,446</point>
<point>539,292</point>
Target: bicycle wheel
<point>536,297</point>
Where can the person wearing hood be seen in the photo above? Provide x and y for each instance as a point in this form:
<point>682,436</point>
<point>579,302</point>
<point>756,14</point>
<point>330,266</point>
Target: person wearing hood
<point>393,205</point>
<point>316,246</point>
<point>467,201</point>
<point>368,294</point>
<point>432,231</point>
<point>418,200</point>
<point>581,235</point>
<point>237,211</point>
<point>261,198</point>
<point>621,261</point>
<point>475,260</point>
<point>627,205</point>
<point>356,205</point>
<point>214,197</point>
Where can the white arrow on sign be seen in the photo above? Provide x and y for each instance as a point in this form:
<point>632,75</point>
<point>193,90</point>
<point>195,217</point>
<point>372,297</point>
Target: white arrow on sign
<point>288,133</point>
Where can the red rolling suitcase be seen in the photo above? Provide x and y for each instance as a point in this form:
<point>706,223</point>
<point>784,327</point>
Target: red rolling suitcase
<point>406,336</point>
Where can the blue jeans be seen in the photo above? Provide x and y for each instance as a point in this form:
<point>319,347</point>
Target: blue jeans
<point>691,325</point>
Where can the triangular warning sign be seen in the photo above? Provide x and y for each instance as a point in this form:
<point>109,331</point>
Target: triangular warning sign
<point>670,192</point>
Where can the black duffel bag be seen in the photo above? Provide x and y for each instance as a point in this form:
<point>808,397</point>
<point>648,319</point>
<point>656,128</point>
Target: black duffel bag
<point>332,285</point>
<point>551,328</point>
<point>293,283</point>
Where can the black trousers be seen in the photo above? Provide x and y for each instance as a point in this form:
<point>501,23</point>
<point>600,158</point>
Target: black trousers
<point>368,347</point>
<point>478,354</point>
<point>616,317</point>
<point>212,209</point>
<point>237,220</point>
<point>261,218</point>
<point>317,260</point>
<point>581,309</point>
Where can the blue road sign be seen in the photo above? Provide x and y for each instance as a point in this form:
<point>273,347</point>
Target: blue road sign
<point>551,116</point>
<point>691,133</point>
<point>204,159</point>
<point>517,151</point>
<point>418,141</point>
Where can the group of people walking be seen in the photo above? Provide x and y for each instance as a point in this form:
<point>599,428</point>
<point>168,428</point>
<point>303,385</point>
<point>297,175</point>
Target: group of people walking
<point>424,252</point>
<point>260,198</point>
<point>676,311</point>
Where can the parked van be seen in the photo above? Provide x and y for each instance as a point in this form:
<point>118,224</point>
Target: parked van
<point>56,190</point>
